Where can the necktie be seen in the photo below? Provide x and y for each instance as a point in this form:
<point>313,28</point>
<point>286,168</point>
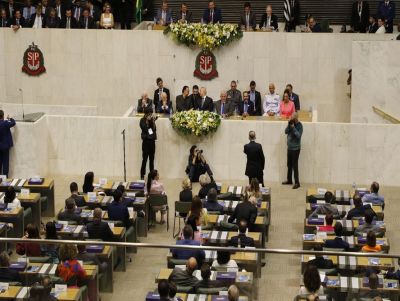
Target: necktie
<point>268,21</point>
<point>247,20</point>
<point>211,16</point>
<point>68,23</point>
<point>17,22</point>
<point>245,107</point>
<point>202,101</point>
<point>86,23</point>
<point>222,108</point>
<point>183,16</point>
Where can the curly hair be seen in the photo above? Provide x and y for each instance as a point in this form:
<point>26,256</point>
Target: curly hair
<point>68,252</point>
<point>311,278</point>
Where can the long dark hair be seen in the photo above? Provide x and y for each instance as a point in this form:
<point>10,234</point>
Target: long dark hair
<point>152,175</point>
<point>51,231</point>
<point>88,182</point>
<point>33,231</point>
<point>192,222</point>
<point>311,278</point>
<point>196,207</point>
<point>9,195</point>
<point>192,149</point>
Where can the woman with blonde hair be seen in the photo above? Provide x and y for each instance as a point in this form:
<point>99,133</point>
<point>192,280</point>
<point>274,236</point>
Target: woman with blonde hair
<point>107,17</point>
<point>186,194</point>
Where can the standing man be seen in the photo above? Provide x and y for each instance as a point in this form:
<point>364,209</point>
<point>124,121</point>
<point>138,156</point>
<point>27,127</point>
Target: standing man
<point>293,97</point>
<point>248,18</point>
<point>159,91</point>
<point>255,97</point>
<point>386,10</point>
<point>212,14</point>
<point>6,142</point>
<point>184,15</point>
<point>360,16</point>
<point>255,159</point>
<point>234,95</point>
<point>294,130</point>
<point>149,137</point>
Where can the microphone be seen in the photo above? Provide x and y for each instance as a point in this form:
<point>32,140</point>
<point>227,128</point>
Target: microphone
<point>22,103</point>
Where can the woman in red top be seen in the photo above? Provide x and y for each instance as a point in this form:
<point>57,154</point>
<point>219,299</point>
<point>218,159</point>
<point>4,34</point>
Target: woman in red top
<point>69,269</point>
<point>286,106</point>
<point>328,224</point>
<point>30,249</point>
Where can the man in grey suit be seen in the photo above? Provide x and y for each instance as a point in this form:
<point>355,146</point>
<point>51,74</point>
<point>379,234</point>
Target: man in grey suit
<point>223,107</point>
<point>248,20</point>
<point>183,101</point>
<point>185,277</point>
<point>164,15</point>
<point>144,103</point>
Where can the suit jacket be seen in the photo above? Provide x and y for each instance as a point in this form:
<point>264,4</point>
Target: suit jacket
<point>119,212</point>
<point>245,241</point>
<point>316,28</point>
<point>255,159</point>
<point>244,211</point>
<point>188,17</point>
<point>360,23</point>
<point>252,20</point>
<point>79,200</point>
<point>63,9</point>
<point>250,108</point>
<point>183,104</point>
<point>22,22</point>
<point>208,104</point>
<point>149,106</point>
<point>388,12</point>
<point>9,275</point>
<point>67,215</point>
<point>156,97</point>
<point>214,206</point>
<point>186,254</point>
<point>9,13</point>
<point>6,141</point>
<point>162,110</point>
<point>205,189</point>
<point>33,19</point>
<point>194,99</point>
<point>273,23</point>
<point>53,22</point>
<point>321,263</point>
<point>229,108</point>
<point>258,103</point>
<point>372,28</point>
<point>359,211</point>
<point>145,126</point>
<point>158,16</point>
<point>63,23</point>
<point>100,230</point>
<point>296,100</point>
<point>82,23</point>
<point>295,12</point>
<point>186,195</point>
<point>4,22</point>
<point>337,243</point>
<point>181,277</point>
<point>217,16</point>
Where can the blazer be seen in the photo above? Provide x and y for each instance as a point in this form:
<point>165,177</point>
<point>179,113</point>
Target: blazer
<point>217,16</point>
<point>63,9</point>
<point>33,19</point>
<point>181,277</point>
<point>9,275</point>
<point>100,230</point>
<point>79,200</point>
<point>337,243</point>
<point>296,100</point>
<point>316,28</point>
<point>63,23</point>
<point>388,12</point>
<point>205,189</point>
<point>162,110</point>
<point>82,23</point>
<point>9,13</point>
<point>245,241</point>
<point>156,97</point>
<point>213,206</point>
<point>244,211</point>
<point>183,104</point>
<point>4,22</point>
<point>158,16</point>
<point>258,102</point>
<point>186,195</point>
<point>53,22</point>
<point>372,28</point>
<point>67,215</point>
<point>360,23</point>
<point>188,16</point>
<point>95,13</point>
<point>141,108</point>
<point>6,141</point>
<point>229,107</point>
<point>250,108</point>
<point>145,126</point>
<point>359,211</point>
<point>252,20</point>
<point>321,263</point>
<point>119,212</point>
<point>186,254</point>
<point>22,22</point>
<point>255,159</point>
<point>274,21</point>
<point>207,106</point>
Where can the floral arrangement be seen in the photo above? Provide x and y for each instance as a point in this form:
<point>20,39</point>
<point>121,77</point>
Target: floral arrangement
<point>198,123</point>
<point>205,36</point>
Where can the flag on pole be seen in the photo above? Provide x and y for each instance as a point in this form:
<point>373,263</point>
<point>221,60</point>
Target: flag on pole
<point>138,11</point>
<point>287,10</point>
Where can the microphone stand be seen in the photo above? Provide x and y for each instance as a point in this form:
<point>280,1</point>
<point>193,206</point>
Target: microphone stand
<point>22,103</point>
<point>123,141</point>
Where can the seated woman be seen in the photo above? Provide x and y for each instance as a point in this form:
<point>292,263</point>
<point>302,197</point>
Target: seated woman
<point>10,197</point>
<point>107,17</point>
<point>154,186</point>
<point>198,210</point>
<point>69,268</point>
<point>312,282</point>
<point>371,246</point>
<point>197,165</point>
<point>286,106</point>
<point>88,183</point>
<point>206,184</point>
<point>30,249</point>
<point>254,189</point>
<point>51,250</point>
<point>194,222</point>
<point>186,194</point>
<point>224,262</point>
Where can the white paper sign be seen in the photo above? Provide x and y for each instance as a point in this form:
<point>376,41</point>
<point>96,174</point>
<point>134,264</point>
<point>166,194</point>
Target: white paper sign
<point>92,196</point>
<point>3,178</point>
<point>25,192</point>
<point>321,191</point>
<point>3,286</point>
<point>103,181</point>
<point>60,288</point>
<point>111,225</point>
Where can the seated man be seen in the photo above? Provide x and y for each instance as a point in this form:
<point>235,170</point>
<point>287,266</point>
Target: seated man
<point>7,274</point>
<point>359,209</point>
<point>320,262</point>
<point>163,290</point>
<point>328,224</point>
<point>185,277</point>
<point>164,15</point>
<point>144,103</point>
<point>246,211</point>
<point>271,102</point>
<point>373,197</point>
<point>212,14</point>
<point>118,211</point>
<point>337,242</point>
<point>206,282</point>
<point>269,21</point>
<point>79,199</point>
<point>99,229</point>
<point>165,105</point>
<point>312,25</point>
<point>241,240</point>
<point>246,107</point>
<point>233,293</point>
<point>188,240</point>
<point>327,208</point>
<point>223,107</point>
<point>212,204</point>
<point>368,226</point>
<point>69,213</point>
<point>374,292</point>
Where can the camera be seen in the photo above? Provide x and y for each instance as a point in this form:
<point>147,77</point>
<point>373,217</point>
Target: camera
<point>199,151</point>
<point>290,122</point>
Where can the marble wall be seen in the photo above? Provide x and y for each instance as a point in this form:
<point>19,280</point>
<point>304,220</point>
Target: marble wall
<point>337,153</point>
<point>14,109</point>
<point>110,69</point>
<point>376,80</point>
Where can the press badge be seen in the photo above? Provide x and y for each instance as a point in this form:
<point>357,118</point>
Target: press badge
<point>150,131</point>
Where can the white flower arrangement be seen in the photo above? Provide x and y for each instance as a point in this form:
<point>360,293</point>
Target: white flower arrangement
<point>198,123</point>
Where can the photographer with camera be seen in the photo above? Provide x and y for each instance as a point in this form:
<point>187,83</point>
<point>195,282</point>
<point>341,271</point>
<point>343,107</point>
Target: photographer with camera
<point>197,165</point>
<point>149,137</point>
<point>294,130</point>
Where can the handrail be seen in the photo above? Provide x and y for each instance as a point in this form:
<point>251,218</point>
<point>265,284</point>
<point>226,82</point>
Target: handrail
<point>190,247</point>
<point>385,115</point>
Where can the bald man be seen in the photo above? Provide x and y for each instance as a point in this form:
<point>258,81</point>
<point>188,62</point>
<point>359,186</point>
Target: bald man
<point>204,103</point>
<point>233,293</point>
<point>271,102</point>
<point>144,103</point>
<point>164,105</point>
<point>99,229</point>
<point>269,21</point>
<point>255,159</point>
<point>184,277</point>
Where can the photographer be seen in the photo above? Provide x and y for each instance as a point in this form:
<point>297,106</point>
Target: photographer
<point>197,165</point>
<point>294,130</point>
<point>149,137</point>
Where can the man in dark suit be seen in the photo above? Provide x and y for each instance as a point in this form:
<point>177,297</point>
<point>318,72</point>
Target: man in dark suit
<point>125,11</point>
<point>6,142</point>
<point>38,20</point>
<point>293,97</point>
<point>313,26</point>
<point>17,21</point>
<point>3,18</point>
<point>185,277</point>
<point>164,15</point>
<point>255,97</point>
<point>164,105</point>
<point>183,101</point>
<point>94,11</point>
<point>69,213</point>
<point>255,159</point>
<point>359,209</point>
<point>269,21</point>
<point>184,15</point>
<point>246,107</point>
<point>320,262</point>
<point>99,229</point>
<point>86,21</point>
<point>157,92</point>
<point>188,241</point>
<point>387,10</point>
<point>46,8</point>
<point>118,211</point>
<point>79,199</point>
<point>195,96</point>
<point>147,11</point>
<point>204,103</point>
<point>248,18</point>
<point>10,9</point>
<point>373,25</point>
<point>223,107</point>
<point>52,21</point>
<point>337,242</point>
<point>241,240</point>
<point>144,103</point>
<point>244,211</point>
<point>68,21</point>
<point>360,16</point>
<point>149,137</point>
<point>7,274</point>
<point>60,9</point>
<point>212,14</point>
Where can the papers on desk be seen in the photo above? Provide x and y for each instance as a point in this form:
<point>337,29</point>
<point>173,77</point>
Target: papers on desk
<point>231,189</point>
<point>14,182</point>
<point>102,181</point>
<point>92,197</point>
<point>24,192</point>
<point>333,282</point>
<point>3,286</point>
<point>321,191</point>
<point>21,183</point>
<point>322,275</point>
<point>308,237</point>
<point>373,261</point>
<point>59,289</point>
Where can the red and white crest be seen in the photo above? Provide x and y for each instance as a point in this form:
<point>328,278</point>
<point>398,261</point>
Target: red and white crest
<point>33,62</point>
<point>206,65</point>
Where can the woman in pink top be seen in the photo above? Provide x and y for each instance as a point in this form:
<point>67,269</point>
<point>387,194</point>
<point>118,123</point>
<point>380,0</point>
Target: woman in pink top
<point>155,187</point>
<point>286,106</point>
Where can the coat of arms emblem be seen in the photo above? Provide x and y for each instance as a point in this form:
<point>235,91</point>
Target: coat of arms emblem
<point>33,62</point>
<point>206,65</point>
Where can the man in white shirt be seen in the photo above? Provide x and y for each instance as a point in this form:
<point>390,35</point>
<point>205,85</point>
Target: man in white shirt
<point>271,102</point>
<point>28,10</point>
<point>381,24</point>
<point>37,19</point>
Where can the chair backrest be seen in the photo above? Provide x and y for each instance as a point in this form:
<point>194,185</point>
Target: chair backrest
<point>39,259</point>
<point>158,199</point>
<point>182,207</point>
<point>172,262</point>
<point>211,290</point>
<point>225,196</point>
<point>329,272</point>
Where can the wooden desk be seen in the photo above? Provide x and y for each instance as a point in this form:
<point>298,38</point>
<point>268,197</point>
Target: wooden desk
<point>222,237</point>
<point>32,201</point>
<point>14,292</point>
<point>344,209</point>
<point>15,217</point>
<point>349,226</point>
<point>46,190</point>
<point>237,191</point>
